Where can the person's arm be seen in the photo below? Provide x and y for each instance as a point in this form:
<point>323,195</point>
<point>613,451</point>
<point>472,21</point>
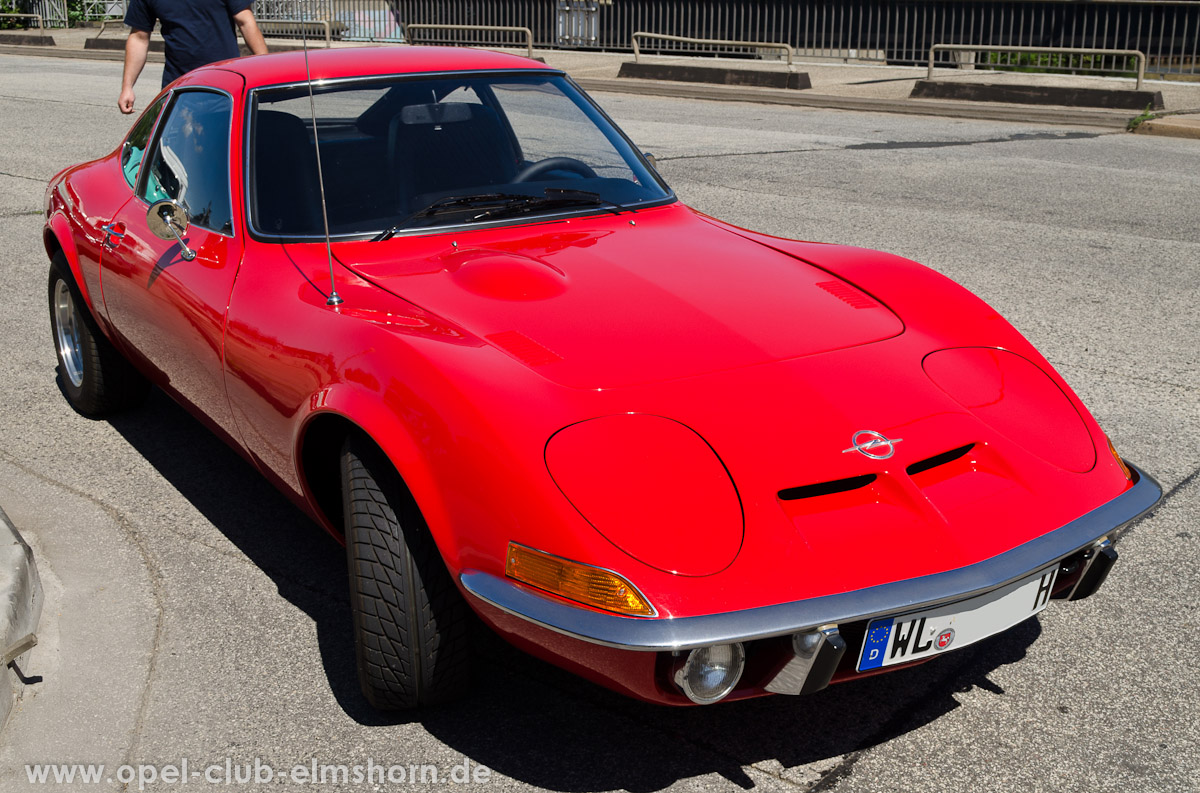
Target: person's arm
<point>136,47</point>
<point>250,33</point>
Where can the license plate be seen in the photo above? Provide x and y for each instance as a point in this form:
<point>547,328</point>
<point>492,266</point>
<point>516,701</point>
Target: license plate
<point>898,640</point>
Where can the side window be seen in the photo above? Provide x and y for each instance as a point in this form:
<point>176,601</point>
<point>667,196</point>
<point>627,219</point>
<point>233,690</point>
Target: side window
<point>136,142</point>
<point>190,163</point>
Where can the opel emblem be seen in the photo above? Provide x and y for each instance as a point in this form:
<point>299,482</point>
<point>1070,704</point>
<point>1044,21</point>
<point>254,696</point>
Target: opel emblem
<point>873,444</point>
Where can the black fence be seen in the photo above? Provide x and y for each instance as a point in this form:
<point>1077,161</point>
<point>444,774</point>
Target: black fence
<point>896,31</point>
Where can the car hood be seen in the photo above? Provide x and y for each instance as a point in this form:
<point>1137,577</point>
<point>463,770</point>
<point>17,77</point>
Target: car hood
<point>620,300</point>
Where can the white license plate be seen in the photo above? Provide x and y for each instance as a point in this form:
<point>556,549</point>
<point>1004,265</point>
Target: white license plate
<point>898,640</point>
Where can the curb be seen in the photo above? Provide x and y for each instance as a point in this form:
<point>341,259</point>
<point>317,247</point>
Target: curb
<point>89,55</point>
<point>1172,127</point>
<point>20,608</point>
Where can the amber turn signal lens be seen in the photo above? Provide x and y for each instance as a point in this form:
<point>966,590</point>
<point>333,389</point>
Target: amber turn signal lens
<point>1117,457</point>
<point>582,583</point>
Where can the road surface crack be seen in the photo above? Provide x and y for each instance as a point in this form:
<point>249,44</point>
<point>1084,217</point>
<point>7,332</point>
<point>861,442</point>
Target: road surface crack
<point>1019,137</point>
<point>1167,497</point>
<point>42,99</point>
<point>748,153</point>
<point>939,144</point>
<point>156,588</point>
<point>23,176</point>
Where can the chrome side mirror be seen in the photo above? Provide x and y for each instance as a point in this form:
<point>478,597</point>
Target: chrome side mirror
<point>168,220</point>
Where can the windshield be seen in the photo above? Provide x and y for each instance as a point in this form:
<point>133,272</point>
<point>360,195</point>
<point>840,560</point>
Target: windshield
<point>419,153</point>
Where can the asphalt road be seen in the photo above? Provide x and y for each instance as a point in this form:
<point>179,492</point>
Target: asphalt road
<point>192,613</point>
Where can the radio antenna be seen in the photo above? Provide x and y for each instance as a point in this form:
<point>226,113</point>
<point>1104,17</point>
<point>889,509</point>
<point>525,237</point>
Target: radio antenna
<point>334,298</point>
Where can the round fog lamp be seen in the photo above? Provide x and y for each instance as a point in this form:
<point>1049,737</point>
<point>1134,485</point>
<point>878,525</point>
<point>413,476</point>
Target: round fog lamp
<point>710,673</point>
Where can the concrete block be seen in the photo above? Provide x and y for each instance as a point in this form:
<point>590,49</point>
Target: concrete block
<point>1063,96</point>
<point>20,605</point>
<point>687,73</point>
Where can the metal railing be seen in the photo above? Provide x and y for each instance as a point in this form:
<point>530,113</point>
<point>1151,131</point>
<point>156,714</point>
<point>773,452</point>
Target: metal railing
<point>722,45</point>
<point>98,10</point>
<point>1104,67</point>
<point>891,31</point>
<point>35,17</point>
<point>298,28</point>
<point>117,23</point>
<point>526,32</point>
<point>52,12</point>
<point>47,13</point>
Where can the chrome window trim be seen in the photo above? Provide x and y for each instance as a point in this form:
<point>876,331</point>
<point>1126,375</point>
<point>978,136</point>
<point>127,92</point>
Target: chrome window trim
<point>166,111</point>
<point>164,102</point>
<point>915,594</point>
<point>637,151</point>
<point>393,76</point>
<point>247,131</point>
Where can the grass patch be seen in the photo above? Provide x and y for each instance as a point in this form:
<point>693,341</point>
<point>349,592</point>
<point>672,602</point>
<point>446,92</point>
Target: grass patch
<point>1140,118</point>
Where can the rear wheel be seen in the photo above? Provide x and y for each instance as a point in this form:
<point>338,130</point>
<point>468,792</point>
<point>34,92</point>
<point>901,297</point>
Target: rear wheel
<point>95,377</point>
<point>410,622</point>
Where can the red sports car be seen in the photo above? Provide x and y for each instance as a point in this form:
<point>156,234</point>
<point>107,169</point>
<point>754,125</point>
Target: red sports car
<point>450,310</point>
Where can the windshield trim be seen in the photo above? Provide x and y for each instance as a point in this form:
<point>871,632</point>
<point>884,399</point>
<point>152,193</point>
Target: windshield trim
<point>251,104</point>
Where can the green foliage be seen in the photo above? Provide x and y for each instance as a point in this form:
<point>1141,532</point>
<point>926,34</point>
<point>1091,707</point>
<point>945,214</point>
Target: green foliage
<point>1141,118</point>
<point>10,24</point>
<point>1060,63</point>
<point>74,13</point>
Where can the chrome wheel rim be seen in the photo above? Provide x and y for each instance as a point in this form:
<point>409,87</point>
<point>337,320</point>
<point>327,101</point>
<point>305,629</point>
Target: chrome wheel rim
<point>66,332</point>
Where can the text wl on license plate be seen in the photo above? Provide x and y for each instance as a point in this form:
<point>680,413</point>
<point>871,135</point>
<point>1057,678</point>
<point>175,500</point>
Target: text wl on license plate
<point>898,640</point>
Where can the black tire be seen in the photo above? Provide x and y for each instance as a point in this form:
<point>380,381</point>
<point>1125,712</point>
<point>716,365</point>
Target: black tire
<point>411,625</point>
<point>96,378</point>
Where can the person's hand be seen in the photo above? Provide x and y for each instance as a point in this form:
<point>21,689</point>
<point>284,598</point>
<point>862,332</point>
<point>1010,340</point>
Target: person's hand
<point>125,102</point>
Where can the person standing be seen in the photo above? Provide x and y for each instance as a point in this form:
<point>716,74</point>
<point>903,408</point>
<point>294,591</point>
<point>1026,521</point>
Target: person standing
<point>196,33</point>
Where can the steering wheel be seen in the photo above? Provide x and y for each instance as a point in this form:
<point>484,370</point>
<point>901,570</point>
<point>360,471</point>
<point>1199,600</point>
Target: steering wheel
<point>555,164</point>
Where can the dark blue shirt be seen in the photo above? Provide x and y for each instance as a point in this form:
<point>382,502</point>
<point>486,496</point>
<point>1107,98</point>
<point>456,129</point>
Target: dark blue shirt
<point>195,32</point>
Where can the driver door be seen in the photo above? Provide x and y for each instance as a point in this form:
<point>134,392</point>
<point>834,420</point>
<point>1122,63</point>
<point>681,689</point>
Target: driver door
<point>168,310</point>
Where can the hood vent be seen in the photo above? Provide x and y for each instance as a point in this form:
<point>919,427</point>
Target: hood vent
<point>938,459</point>
<point>826,488</point>
<point>848,294</point>
<point>523,348</point>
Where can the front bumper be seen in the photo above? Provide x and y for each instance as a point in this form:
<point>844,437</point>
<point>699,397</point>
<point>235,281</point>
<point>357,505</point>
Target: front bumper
<point>796,647</point>
<point>915,594</point>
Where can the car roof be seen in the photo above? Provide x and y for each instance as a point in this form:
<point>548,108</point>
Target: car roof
<point>329,64</point>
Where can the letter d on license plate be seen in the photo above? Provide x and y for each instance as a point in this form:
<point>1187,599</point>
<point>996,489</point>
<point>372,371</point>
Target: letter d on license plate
<point>898,640</point>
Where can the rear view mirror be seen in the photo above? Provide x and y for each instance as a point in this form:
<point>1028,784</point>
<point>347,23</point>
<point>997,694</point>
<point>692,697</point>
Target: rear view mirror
<point>436,113</point>
<point>168,220</point>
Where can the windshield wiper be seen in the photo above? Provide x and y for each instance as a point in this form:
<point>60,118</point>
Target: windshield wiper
<point>451,204</point>
<point>554,197</point>
<point>508,204</point>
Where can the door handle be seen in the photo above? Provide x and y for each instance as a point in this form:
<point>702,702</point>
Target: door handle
<point>113,233</point>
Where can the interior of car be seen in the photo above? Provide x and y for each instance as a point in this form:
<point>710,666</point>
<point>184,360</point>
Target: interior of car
<point>390,150</point>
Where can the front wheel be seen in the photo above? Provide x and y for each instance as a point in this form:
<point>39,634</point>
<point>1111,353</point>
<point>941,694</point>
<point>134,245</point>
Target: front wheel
<point>410,622</point>
<point>96,378</point>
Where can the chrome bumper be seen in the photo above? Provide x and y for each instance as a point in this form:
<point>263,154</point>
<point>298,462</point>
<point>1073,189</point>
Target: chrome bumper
<point>916,594</point>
